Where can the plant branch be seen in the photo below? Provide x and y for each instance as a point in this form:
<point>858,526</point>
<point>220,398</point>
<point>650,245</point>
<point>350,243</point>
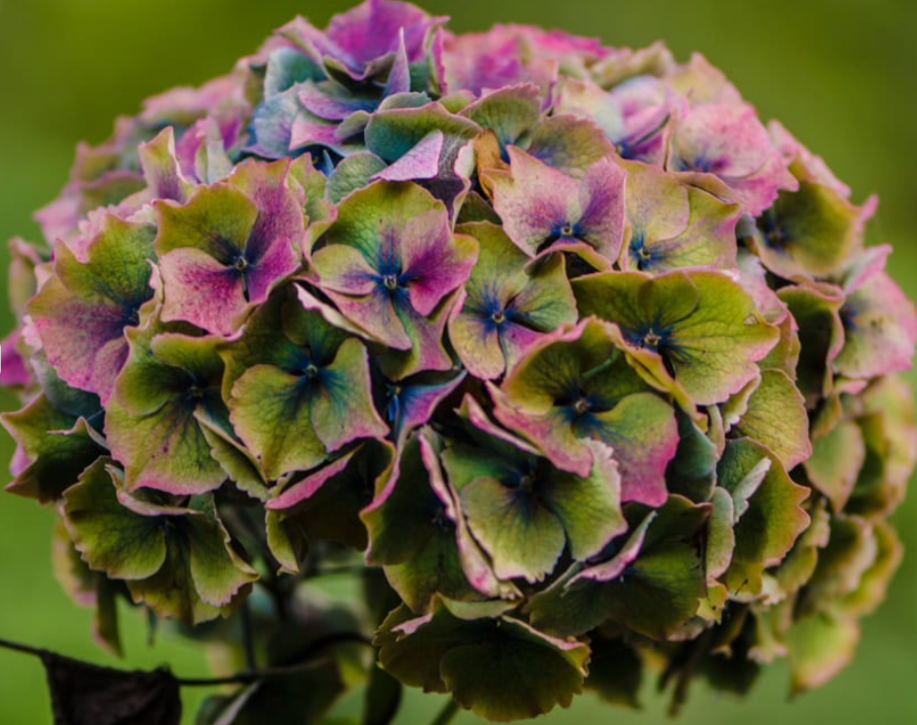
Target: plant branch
<point>23,648</point>
<point>298,662</point>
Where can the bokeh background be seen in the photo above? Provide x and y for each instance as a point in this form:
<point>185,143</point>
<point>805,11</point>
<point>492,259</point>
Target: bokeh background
<point>840,74</point>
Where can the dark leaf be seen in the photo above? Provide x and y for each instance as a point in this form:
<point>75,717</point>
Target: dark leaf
<point>85,694</point>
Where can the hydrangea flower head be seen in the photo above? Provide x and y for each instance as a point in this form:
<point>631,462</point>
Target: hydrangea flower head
<point>582,367</point>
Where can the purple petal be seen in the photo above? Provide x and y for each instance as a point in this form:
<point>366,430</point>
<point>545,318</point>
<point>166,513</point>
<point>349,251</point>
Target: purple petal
<point>200,290</point>
<point>278,263</point>
<point>372,30</point>
<point>161,169</point>
<point>13,371</point>
<point>602,197</point>
<point>417,403</point>
<point>376,314</point>
<point>421,162</point>
<point>321,100</point>
<point>435,261</point>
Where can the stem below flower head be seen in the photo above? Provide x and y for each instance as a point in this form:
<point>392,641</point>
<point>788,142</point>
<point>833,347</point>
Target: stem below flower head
<point>447,714</point>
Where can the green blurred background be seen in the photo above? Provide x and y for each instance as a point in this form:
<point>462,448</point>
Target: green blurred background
<point>840,74</point>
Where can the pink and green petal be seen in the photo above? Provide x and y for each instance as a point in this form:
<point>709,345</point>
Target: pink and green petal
<point>728,141</point>
<point>280,218</point>
<point>544,209</point>
<point>421,162</point>
<point>811,232</point>
<point>427,349</point>
<point>576,385</point>
<point>81,312</point>
<point>201,290</point>
<point>435,261</point>
<point>568,144</point>
<point>161,169</point>
<point>675,226</point>
<point>394,133</point>
<point>507,307</point>
<point>509,112</point>
<point>228,246</point>
<point>880,330</point>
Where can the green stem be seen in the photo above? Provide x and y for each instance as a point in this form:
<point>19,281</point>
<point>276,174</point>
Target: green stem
<point>248,636</point>
<point>247,678</point>
<point>447,714</point>
<point>599,369</point>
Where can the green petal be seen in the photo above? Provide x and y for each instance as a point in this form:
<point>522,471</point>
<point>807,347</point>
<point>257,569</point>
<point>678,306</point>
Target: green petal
<point>812,231</point>
<point>521,675</point>
<point>777,417</point>
<point>773,519</point>
<point>238,463</point>
<point>692,473</point>
<point>589,508</point>
<point>522,536</point>
<point>710,333</point>
<point>353,173</point>
<point>59,446</point>
<point>819,647</point>
<point>271,411</point>
<point>344,409</point>
<point>217,220</point>
<point>435,569</point>
<point>500,668</point>
<point>87,588</point>
<point>217,571</point>
<point>165,449</point>
<point>110,537</point>
<point>836,461</point>
<point>821,334</point>
<point>659,592</point>
<point>400,520</point>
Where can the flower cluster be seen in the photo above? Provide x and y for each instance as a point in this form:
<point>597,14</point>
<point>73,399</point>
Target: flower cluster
<point>593,365</point>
